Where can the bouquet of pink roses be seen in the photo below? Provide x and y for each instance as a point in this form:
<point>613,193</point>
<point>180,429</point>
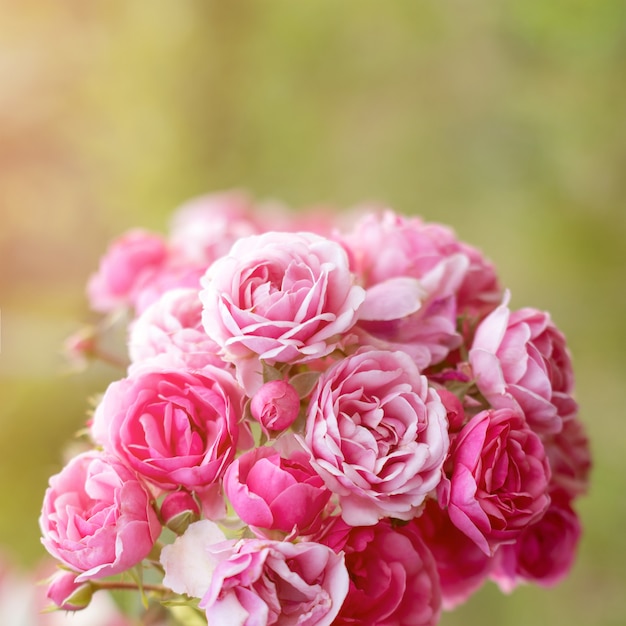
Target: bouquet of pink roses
<point>319,423</point>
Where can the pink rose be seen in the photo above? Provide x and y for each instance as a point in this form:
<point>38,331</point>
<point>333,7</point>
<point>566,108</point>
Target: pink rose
<point>281,298</point>
<point>499,478</point>
<point>97,517</point>
<point>570,458</point>
<point>275,405</point>
<point>520,361</point>
<point>66,593</point>
<point>377,435</point>
<point>175,428</point>
<point>204,229</point>
<point>176,273</point>
<point>461,565</point>
<point>169,334</point>
<point>419,277</point>
<point>276,582</point>
<point>130,262</point>
<point>393,578</point>
<point>271,493</point>
<point>544,552</point>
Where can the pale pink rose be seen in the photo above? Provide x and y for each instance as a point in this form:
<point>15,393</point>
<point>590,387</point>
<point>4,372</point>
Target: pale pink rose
<point>499,479</point>
<point>189,562</point>
<point>279,297</point>
<point>570,458</point>
<point>377,435</point>
<point>131,261</point>
<point>275,405</point>
<point>272,493</point>
<point>262,582</point>
<point>393,578</point>
<point>204,229</point>
<point>169,334</point>
<point>461,565</point>
<point>521,361</point>
<point>413,273</point>
<point>544,553</point>
<point>97,518</point>
<point>174,428</point>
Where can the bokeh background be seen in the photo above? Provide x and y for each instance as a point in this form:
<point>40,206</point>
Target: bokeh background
<point>505,119</point>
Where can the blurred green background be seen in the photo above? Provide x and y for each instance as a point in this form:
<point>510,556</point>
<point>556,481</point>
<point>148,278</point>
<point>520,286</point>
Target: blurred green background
<point>503,118</point>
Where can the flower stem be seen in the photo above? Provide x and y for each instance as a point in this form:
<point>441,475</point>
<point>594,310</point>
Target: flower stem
<point>120,585</point>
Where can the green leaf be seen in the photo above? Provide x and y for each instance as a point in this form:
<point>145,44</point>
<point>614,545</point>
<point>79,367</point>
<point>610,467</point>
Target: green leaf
<point>304,383</point>
<point>271,373</point>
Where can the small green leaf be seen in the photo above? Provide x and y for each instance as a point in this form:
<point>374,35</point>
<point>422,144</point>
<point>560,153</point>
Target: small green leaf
<point>271,373</point>
<point>304,383</point>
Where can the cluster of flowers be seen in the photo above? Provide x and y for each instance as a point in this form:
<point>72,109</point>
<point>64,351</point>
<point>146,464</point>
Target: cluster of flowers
<point>341,423</point>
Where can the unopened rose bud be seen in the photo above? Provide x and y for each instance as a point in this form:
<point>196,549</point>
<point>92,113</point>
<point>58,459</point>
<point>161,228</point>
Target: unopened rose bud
<point>178,510</point>
<point>275,405</point>
<point>81,346</point>
<point>67,594</point>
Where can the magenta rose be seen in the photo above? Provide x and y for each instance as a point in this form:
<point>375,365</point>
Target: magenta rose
<point>131,261</point>
<point>377,435</point>
<point>281,298</point>
<point>169,334</point>
<point>97,517</point>
<point>499,479</point>
<point>418,279</point>
<point>521,361</point>
<point>461,565</point>
<point>570,458</point>
<point>276,582</point>
<point>544,552</point>
<point>272,493</point>
<point>175,428</point>
<point>393,578</point>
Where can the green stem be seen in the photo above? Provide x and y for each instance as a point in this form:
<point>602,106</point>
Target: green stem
<point>120,585</point>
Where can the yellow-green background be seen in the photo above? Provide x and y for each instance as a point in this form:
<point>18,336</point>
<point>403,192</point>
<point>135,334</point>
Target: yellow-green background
<point>503,118</point>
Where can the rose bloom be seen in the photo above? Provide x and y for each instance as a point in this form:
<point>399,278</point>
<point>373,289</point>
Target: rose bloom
<point>188,562</point>
<point>570,458</point>
<point>269,492</point>
<point>261,582</point>
<point>499,479</point>
<point>175,428</point>
<point>279,297</point>
<point>377,435</point>
<point>520,361</point>
<point>544,552</point>
<point>169,334</point>
<point>393,578</point>
<point>418,277</point>
<point>97,517</point>
<point>461,565</point>
<point>204,228</point>
<point>129,263</point>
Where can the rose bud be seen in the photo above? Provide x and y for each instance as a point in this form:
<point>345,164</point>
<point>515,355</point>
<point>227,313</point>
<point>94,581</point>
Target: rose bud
<point>178,510</point>
<point>67,594</point>
<point>275,405</point>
